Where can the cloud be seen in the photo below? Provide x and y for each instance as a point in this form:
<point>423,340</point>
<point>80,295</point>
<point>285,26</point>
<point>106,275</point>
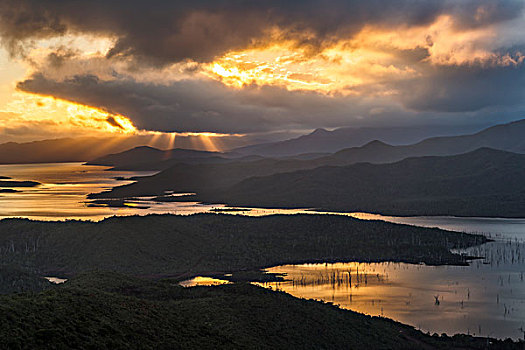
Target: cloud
<point>465,88</point>
<point>209,106</point>
<point>114,122</point>
<point>335,62</point>
<point>196,105</point>
<point>162,32</point>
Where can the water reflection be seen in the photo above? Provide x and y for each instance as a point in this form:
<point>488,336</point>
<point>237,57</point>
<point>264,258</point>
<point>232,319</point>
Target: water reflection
<point>202,281</point>
<point>496,228</point>
<point>487,298</point>
<point>65,186</point>
<point>56,280</point>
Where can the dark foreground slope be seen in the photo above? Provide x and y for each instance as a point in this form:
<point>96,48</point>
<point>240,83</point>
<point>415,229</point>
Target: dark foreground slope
<point>108,311</point>
<point>205,243</point>
<point>485,182</point>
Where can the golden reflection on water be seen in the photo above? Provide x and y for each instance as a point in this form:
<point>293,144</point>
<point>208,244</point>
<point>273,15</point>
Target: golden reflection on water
<point>450,299</point>
<point>56,280</point>
<point>62,191</point>
<point>65,186</point>
<point>487,298</point>
<point>203,281</point>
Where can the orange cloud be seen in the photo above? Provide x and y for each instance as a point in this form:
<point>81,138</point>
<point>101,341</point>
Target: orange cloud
<point>65,116</point>
<point>369,58</point>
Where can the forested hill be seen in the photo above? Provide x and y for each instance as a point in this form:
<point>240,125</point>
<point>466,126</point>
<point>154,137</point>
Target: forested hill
<point>485,182</point>
<point>111,311</point>
<point>187,245</point>
<point>203,174</point>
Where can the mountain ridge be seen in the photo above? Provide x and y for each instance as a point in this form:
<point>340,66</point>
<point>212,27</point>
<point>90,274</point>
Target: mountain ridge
<point>484,182</point>
<point>324,141</point>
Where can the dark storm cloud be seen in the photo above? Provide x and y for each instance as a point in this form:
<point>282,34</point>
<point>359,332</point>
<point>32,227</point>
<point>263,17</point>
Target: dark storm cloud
<point>465,88</point>
<point>159,33</point>
<point>205,105</point>
<point>165,31</point>
<point>198,105</point>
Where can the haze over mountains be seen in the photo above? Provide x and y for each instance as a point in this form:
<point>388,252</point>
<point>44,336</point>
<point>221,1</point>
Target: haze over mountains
<point>507,137</point>
<point>319,181</point>
<point>62,150</point>
<point>474,173</point>
<point>318,143</point>
<point>484,182</point>
<point>152,158</point>
<point>83,149</point>
<point>324,141</point>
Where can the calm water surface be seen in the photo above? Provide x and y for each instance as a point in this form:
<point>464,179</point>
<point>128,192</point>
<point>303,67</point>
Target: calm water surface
<point>485,298</point>
<point>64,187</point>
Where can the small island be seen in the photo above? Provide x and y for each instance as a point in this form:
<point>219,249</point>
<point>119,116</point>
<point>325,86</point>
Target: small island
<point>12,183</point>
<point>8,190</point>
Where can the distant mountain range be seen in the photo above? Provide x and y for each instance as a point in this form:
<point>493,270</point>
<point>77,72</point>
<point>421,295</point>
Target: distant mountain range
<point>316,145</point>
<point>145,157</point>
<point>484,182</point>
<point>82,149</point>
<point>336,182</point>
<point>508,137</point>
<point>203,177</point>
<point>62,150</point>
<point>324,141</point>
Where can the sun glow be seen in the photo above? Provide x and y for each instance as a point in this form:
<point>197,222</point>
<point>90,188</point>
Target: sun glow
<point>35,115</point>
<point>61,115</point>
<point>365,64</point>
<point>340,69</point>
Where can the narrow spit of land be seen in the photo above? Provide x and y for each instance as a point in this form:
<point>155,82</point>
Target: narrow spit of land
<point>185,246</point>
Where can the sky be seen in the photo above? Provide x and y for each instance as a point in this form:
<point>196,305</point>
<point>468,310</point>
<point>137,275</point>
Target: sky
<point>237,68</point>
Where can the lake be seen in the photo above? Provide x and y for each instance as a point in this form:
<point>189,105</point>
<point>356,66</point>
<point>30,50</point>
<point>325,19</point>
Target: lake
<point>486,298</point>
<point>64,187</point>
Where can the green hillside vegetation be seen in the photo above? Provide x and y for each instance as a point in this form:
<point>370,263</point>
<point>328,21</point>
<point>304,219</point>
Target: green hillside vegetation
<point>16,279</point>
<point>162,245</point>
<point>110,311</point>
